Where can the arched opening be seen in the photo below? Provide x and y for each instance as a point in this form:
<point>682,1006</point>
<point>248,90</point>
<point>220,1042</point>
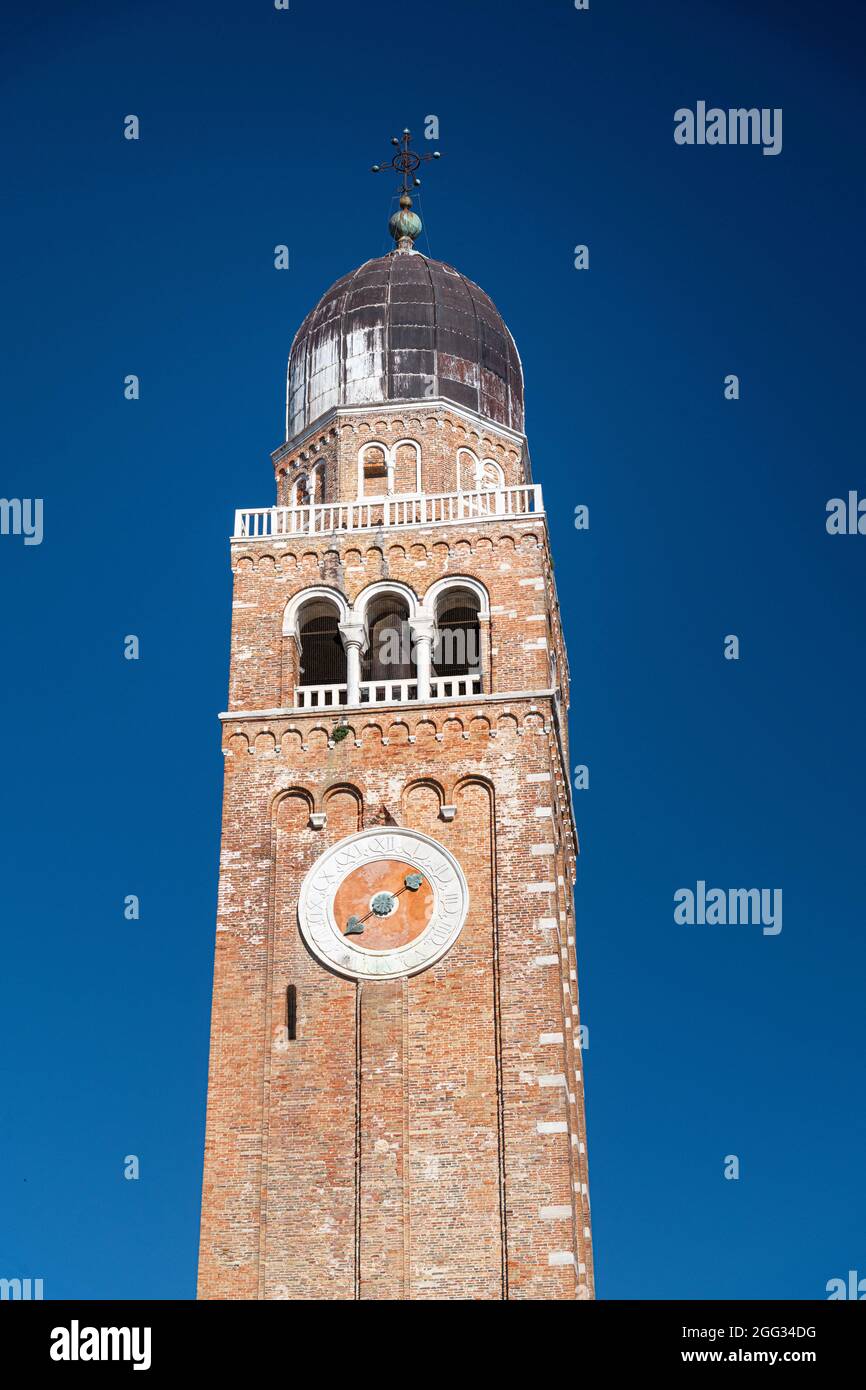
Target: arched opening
<point>467,470</point>
<point>316,485</point>
<point>490,476</point>
<point>407,468</point>
<point>322,656</point>
<point>457,645</point>
<point>376,478</point>
<point>388,656</point>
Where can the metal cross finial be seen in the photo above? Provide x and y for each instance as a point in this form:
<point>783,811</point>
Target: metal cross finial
<point>405,161</point>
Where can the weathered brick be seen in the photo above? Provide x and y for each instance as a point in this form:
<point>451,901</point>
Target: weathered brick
<point>407,1144</point>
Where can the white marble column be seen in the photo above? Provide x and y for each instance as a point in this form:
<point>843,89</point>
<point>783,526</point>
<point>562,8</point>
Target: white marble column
<point>353,636</point>
<point>423,632</point>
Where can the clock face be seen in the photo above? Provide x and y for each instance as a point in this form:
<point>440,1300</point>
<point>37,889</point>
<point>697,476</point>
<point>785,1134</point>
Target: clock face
<point>383,904</point>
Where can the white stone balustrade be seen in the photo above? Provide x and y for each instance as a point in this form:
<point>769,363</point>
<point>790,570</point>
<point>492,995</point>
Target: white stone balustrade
<point>387,692</point>
<point>455,687</point>
<point>377,513</point>
<point>320,696</point>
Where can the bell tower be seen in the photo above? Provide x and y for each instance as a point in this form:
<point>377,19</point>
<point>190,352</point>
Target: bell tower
<point>395,1102</point>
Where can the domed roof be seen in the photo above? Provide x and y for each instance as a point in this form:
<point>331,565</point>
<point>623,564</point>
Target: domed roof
<point>404,328</point>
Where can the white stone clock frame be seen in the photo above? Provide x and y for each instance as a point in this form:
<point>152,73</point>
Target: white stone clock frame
<point>322,933</point>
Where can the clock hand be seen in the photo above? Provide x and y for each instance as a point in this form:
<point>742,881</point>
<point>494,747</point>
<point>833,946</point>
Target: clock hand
<point>355,925</point>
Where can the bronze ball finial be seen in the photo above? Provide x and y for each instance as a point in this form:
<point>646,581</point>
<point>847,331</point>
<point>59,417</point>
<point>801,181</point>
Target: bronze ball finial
<point>405,225</point>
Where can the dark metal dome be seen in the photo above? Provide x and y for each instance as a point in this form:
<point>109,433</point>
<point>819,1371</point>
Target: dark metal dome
<point>403,328</point>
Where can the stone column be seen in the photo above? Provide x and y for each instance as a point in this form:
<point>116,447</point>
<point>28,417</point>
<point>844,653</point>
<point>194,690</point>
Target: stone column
<point>423,632</point>
<point>353,635</point>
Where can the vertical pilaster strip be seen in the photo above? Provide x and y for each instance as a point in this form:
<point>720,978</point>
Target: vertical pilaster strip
<point>407,1158</point>
<point>382,1138</point>
<point>358,991</point>
<point>497,1025</point>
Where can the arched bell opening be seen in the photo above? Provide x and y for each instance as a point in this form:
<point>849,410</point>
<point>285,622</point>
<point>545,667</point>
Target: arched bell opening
<point>387,661</point>
<point>457,643</point>
<point>322,660</point>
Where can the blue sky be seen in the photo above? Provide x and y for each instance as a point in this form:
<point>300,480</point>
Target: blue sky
<point>706,518</point>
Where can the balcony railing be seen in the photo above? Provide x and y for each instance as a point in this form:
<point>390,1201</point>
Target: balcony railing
<point>388,692</point>
<point>454,687</point>
<point>400,692</point>
<point>386,513</point>
<point>320,696</point>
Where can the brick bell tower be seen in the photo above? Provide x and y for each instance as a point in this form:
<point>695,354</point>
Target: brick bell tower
<point>395,1104</point>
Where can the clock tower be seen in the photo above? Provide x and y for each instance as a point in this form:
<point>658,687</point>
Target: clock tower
<point>395,1102</point>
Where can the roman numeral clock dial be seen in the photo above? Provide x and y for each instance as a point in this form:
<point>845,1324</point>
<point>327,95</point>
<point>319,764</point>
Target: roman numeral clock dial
<point>383,904</point>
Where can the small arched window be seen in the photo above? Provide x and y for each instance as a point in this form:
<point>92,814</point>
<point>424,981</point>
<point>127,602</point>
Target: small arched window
<point>490,476</point>
<point>375,472</point>
<point>467,470</point>
<point>316,484</point>
<point>406,470</point>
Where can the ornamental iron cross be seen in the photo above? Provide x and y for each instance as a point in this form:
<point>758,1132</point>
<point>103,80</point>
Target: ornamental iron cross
<point>405,161</point>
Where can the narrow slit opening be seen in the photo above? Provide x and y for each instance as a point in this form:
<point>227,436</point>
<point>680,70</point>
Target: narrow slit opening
<point>291,1012</point>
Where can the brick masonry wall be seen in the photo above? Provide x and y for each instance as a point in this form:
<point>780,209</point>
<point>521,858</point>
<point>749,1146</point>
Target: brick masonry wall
<point>283,1174</point>
<point>508,557</point>
<point>424,1138</point>
<point>440,433</point>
